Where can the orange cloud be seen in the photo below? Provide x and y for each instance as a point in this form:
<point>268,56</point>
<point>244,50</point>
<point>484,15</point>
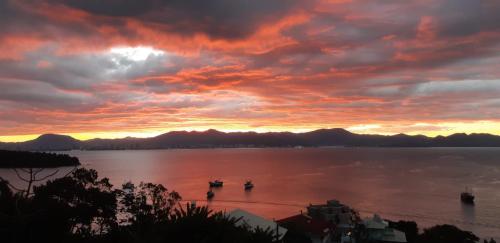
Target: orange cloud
<point>371,66</point>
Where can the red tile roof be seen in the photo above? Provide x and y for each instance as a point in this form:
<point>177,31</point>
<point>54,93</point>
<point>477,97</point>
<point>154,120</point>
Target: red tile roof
<point>307,224</point>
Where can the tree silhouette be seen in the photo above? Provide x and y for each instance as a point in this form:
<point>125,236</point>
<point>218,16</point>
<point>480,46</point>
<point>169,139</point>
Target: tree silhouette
<point>30,177</point>
<point>447,234</point>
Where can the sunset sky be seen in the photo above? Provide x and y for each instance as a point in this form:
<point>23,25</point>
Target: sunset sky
<point>122,68</point>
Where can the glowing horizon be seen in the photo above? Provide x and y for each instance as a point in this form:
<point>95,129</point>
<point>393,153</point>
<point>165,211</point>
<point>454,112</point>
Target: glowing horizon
<point>115,70</point>
<point>446,129</point>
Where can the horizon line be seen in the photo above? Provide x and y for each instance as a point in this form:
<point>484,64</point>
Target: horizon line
<point>31,137</point>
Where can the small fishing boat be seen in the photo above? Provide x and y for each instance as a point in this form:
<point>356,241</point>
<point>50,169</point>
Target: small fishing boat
<point>248,185</point>
<point>467,197</point>
<point>216,183</point>
<point>210,194</point>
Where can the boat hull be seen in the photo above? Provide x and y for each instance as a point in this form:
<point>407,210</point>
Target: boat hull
<point>215,183</point>
<point>467,198</point>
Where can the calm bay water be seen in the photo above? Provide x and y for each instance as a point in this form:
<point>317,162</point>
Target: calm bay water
<point>420,184</point>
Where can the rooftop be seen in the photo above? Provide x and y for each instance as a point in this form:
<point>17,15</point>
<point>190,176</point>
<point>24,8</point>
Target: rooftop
<point>254,221</point>
<point>307,224</point>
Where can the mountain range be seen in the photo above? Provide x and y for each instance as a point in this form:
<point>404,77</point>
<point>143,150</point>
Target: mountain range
<point>213,138</point>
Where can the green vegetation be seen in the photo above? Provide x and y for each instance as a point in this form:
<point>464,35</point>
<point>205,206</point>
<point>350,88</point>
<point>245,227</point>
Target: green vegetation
<point>24,159</point>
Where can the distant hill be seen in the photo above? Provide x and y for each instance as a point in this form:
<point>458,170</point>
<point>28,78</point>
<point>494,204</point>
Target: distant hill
<point>214,138</point>
<point>45,142</point>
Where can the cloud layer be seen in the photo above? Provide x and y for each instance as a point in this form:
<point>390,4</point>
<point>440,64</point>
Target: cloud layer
<point>88,67</point>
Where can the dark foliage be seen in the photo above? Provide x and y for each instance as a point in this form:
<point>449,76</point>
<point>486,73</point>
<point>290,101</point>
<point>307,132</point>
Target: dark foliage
<point>295,235</point>
<point>447,234</point>
<point>199,224</point>
<point>410,228</point>
<point>67,209</point>
<point>22,159</point>
<point>82,207</point>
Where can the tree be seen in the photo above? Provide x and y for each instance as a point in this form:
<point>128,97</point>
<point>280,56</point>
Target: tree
<point>199,224</point>
<point>76,206</point>
<point>6,193</point>
<point>447,234</point>
<point>410,229</point>
<point>30,176</point>
<point>143,208</point>
<point>89,203</point>
<point>148,202</point>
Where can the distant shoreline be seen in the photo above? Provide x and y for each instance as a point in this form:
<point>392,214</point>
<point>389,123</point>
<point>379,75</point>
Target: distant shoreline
<point>318,147</point>
<point>336,137</point>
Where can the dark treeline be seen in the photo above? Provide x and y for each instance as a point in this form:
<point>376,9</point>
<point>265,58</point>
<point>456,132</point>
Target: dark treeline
<point>24,159</point>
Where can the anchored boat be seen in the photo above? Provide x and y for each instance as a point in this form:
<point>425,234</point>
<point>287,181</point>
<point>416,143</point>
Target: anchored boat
<point>216,183</point>
<point>210,194</point>
<point>248,185</point>
<point>467,197</point>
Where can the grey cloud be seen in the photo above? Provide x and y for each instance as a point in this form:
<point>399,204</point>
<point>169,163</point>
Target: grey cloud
<point>219,19</point>
<point>43,95</point>
<point>460,86</point>
<point>84,72</point>
<point>464,17</point>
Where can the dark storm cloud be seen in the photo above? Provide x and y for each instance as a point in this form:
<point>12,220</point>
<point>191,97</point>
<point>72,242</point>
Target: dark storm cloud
<point>15,19</point>
<point>464,17</point>
<point>219,19</point>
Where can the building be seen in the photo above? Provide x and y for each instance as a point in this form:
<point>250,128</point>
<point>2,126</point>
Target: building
<point>377,230</point>
<point>318,230</point>
<point>254,221</point>
<point>343,217</point>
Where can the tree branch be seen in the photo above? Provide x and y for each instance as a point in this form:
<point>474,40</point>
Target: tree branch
<point>38,171</point>
<point>71,171</point>
<point>45,177</point>
<point>13,187</point>
<point>19,176</point>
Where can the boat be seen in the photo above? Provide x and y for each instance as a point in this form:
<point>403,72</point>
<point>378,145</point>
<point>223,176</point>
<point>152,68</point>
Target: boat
<point>248,185</point>
<point>210,194</point>
<point>216,183</point>
<point>467,197</point>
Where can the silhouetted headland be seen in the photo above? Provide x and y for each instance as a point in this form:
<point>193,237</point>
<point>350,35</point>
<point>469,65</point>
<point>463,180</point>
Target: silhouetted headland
<point>23,159</point>
<point>216,139</point>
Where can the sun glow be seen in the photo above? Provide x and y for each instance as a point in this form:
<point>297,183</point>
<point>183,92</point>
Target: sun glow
<point>136,54</point>
<point>428,129</point>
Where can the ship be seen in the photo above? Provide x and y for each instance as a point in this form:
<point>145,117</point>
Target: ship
<point>467,197</point>
<point>216,183</point>
<point>248,185</point>
<point>210,194</point>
